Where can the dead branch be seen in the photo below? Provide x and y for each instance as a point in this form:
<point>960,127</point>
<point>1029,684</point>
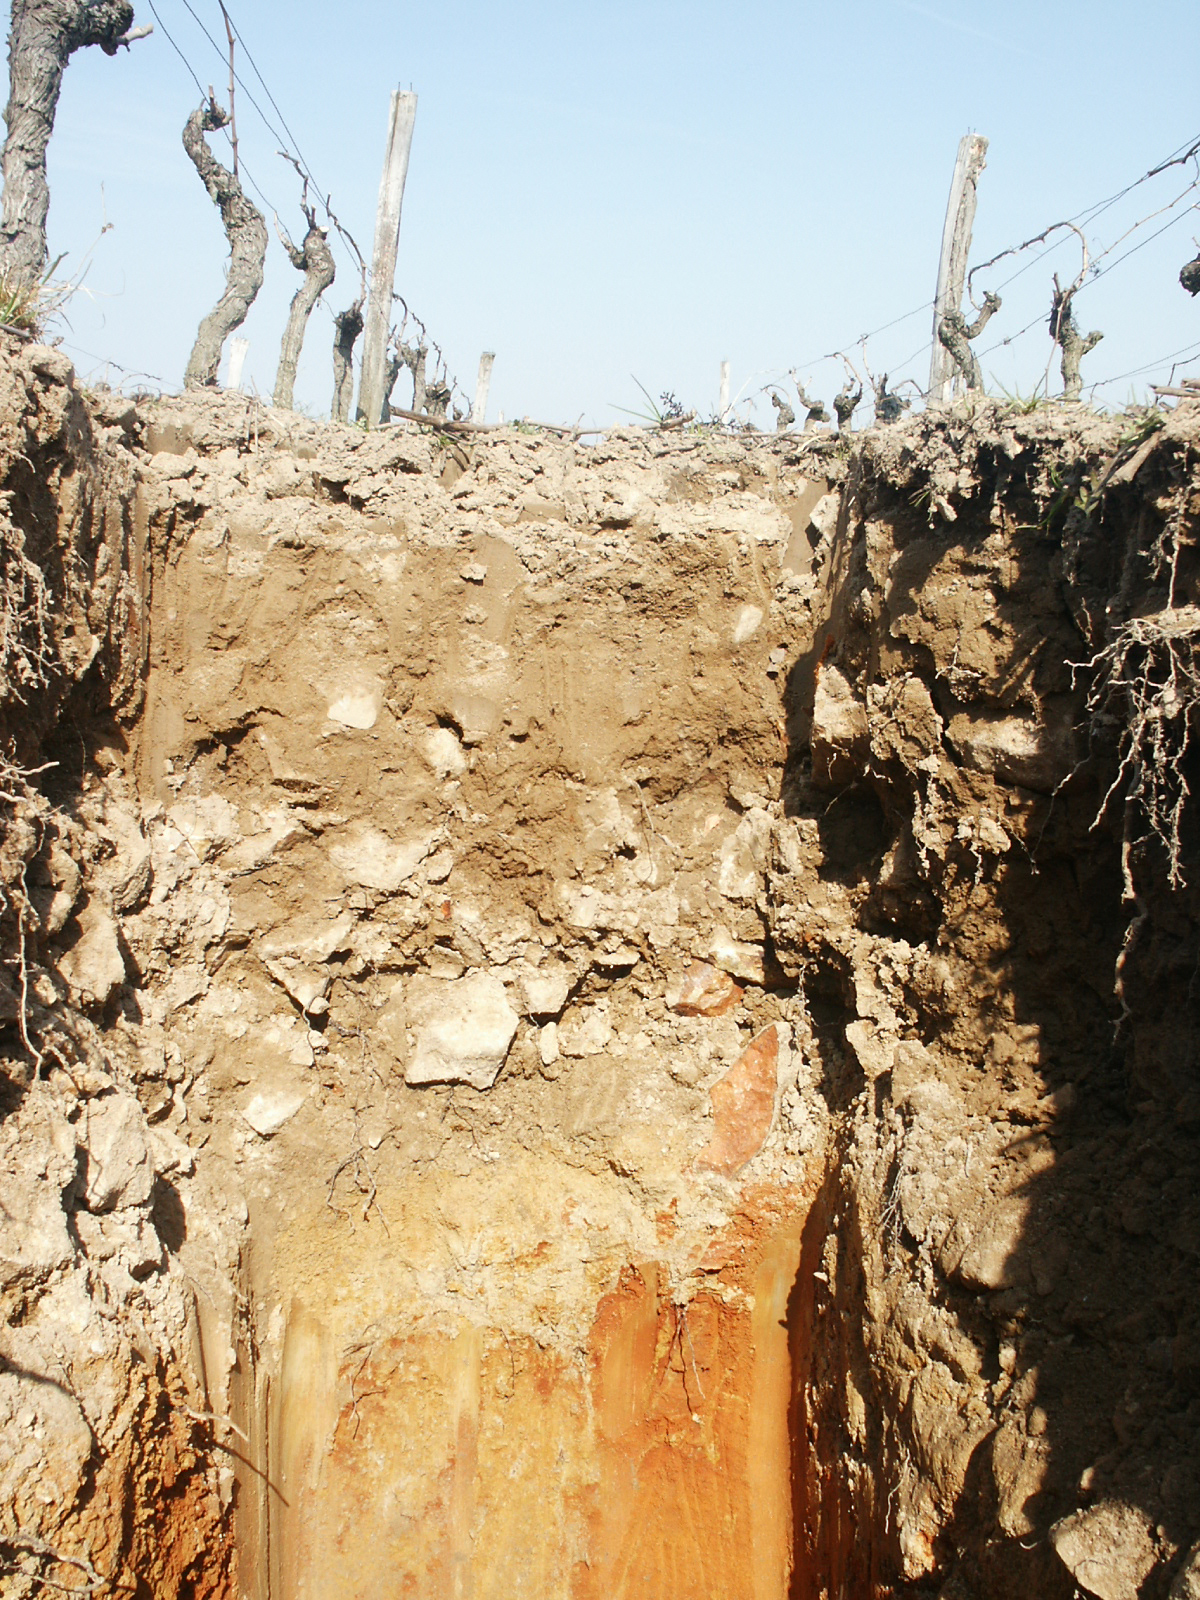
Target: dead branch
<point>847,398</point>
<point>1038,238</point>
<point>1175,161</point>
<point>460,425</point>
<point>888,407</point>
<point>669,424</point>
<point>247,234</point>
<point>391,371</point>
<point>43,37</point>
<point>315,260</point>
<point>437,399</point>
<point>845,401</point>
<point>1067,337</point>
<point>956,333</point>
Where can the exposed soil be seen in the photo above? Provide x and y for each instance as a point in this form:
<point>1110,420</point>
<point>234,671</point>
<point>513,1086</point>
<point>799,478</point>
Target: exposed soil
<point>570,1025</point>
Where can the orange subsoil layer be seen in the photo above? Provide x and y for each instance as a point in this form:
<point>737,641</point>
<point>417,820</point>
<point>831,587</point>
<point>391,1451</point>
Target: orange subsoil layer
<point>657,1464</point>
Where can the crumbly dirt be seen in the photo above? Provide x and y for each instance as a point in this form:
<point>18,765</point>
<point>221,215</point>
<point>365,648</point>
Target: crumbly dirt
<point>568,1010</point>
<point>1007,1236</point>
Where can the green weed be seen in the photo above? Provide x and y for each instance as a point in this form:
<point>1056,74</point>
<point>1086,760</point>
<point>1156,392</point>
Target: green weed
<point>669,410</point>
<point>1022,404</point>
<point>1145,421</point>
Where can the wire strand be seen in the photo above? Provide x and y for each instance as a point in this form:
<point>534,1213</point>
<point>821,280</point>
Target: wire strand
<point>289,142</point>
<point>176,48</point>
<point>1088,215</point>
<point>224,56</point>
<point>1141,245</point>
<point>1149,366</point>
<point>1084,218</point>
<point>107,361</point>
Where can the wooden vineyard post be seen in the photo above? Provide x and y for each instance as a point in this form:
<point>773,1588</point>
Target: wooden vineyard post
<point>952,267</point>
<point>482,384</point>
<point>383,259</point>
<point>723,403</point>
<point>238,349</point>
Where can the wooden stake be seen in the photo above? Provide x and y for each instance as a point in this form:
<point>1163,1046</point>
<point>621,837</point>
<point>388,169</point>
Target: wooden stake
<point>723,407</point>
<point>383,259</point>
<point>956,246</point>
<point>237,360</point>
<point>482,384</point>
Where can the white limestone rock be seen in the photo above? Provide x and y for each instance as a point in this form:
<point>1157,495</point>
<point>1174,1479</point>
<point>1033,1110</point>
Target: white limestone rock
<point>94,965</point>
<point>747,623</point>
<point>981,1251</point>
<point>208,822</point>
<point>548,1044</point>
<point>355,701</point>
<point>824,515</point>
<point>307,987</point>
<point>311,938</point>
<point>544,991</point>
<point>739,960</point>
<point>373,861</point>
<point>443,753</point>
<point>55,902</point>
<point>119,1162</point>
<point>743,856</point>
<point>270,1109</point>
<point>463,1027</point>
<point>34,1239</point>
<point>1015,749</point>
<point>47,1443</point>
<point>128,1236</point>
<point>840,736</point>
<point>586,1032</point>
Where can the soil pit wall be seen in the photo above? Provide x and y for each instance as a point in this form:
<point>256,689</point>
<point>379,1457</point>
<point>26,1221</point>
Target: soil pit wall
<point>608,1003</point>
<point>458,776</point>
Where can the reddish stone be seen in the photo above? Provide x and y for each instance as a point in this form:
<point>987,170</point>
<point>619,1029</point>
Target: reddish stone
<point>704,991</point>
<point>743,1104</point>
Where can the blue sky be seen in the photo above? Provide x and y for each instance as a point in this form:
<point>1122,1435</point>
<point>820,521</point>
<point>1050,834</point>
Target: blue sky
<point>609,191</point>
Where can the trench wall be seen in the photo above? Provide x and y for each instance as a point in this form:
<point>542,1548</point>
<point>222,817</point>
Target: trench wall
<point>588,1058</point>
<point>477,758</point>
<point>994,1343</point>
